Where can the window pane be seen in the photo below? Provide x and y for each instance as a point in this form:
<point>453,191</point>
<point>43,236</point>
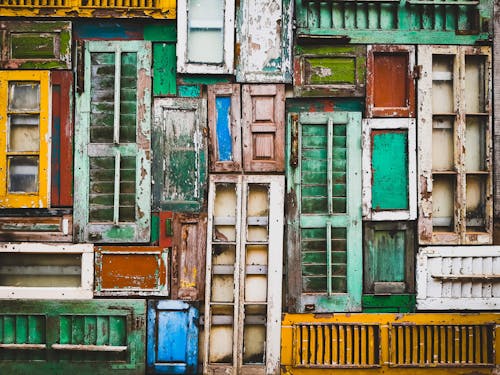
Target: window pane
<point>442,144</point>
<point>442,84</point>
<point>206,31</point>
<point>24,96</point>
<point>475,79</point>
<point>443,198</point>
<point>24,133</point>
<point>475,144</point>
<point>23,174</point>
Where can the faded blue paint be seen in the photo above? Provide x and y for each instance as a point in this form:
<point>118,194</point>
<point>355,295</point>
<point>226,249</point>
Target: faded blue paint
<point>223,126</point>
<point>172,337</point>
<point>56,146</point>
<point>108,30</point>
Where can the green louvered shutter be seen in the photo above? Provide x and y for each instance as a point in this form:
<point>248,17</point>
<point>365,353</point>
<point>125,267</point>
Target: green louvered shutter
<point>113,142</point>
<point>324,213</point>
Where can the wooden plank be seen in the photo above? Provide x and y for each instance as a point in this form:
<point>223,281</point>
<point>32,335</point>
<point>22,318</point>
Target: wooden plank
<point>55,228</point>
<point>263,128</point>
<point>164,72</point>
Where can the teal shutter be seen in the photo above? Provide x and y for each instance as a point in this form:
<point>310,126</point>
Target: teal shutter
<point>324,215</point>
<point>179,146</point>
<point>112,138</point>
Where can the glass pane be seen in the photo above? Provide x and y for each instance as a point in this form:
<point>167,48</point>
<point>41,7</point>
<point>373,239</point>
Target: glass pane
<point>225,213</point>
<point>442,144</point>
<point>205,31</point>
<point>443,198</point>
<point>221,335</point>
<point>475,140</point>
<point>475,203</point>
<point>24,133</point>
<point>23,174</point>
<point>40,270</point>
<point>475,84</point>
<point>256,285</point>
<point>222,288</point>
<point>257,212</point>
<point>24,96</point>
<point>223,128</point>
<point>254,334</point>
<point>256,255</point>
<point>442,84</point>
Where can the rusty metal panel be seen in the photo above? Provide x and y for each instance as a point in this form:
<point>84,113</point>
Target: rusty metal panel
<point>53,226</point>
<point>396,21</point>
<point>131,270</point>
<point>35,45</point>
<point>50,271</point>
<point>188,256</point>
<point>455,145</point>
<point>460,277</point>
<point>424,343</point>
<point>264,37</point>
<point>390,82</point>
<point>96,337</point>
<point>329,70</point>
<point>263,127</point>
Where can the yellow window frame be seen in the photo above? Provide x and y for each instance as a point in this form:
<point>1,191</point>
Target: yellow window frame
<point>38,199</point>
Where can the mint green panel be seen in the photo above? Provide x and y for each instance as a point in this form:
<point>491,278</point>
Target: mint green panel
<point>164,69</point>
<point>396,22</point>
<point>97,337</point>
<point>166,31</point>
<point>389,170</point>
<point>324,216</point>
<point>387,256</point>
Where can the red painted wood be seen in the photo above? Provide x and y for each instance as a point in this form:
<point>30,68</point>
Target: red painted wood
<point>62,139</point>
<point>165,239</point>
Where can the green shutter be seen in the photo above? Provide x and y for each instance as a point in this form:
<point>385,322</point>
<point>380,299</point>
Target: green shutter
<point>112,138</point>
<point>179,146</point>
<point>324,216</point>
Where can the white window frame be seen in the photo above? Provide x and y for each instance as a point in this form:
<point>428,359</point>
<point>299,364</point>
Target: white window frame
<point>183,64</point>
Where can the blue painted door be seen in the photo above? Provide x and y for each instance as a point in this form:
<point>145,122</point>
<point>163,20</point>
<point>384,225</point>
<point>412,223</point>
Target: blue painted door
<point>172,338</point>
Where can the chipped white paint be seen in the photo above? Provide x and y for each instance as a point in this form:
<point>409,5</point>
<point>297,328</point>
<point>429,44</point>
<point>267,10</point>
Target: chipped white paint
<point>459,277</point>
<point>244,275</point>
<point>85,269</point>
<point>264,35</point>
<point>389,124</point>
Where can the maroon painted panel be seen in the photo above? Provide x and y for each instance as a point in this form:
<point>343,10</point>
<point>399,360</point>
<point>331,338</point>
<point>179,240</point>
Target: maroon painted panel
<point>61,194</point>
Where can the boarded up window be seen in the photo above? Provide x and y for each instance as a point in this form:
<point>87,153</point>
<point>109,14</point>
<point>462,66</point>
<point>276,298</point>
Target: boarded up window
<point>113,144</point>
<point>454,136</point>
<point>390,84</point>
<point>324,236</point>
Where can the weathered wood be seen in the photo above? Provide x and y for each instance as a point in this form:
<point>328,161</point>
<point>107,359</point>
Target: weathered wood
<point>164,71</point>
<point>112,144</point>
<point>224,116</point>
<point>264,36</point>
<point>389,169</point>
<point>455,145</point>
<point>209,53</point>
<point>390,83</point>
<point>180,154</point>
<point>25,157</point>
<point>172,338</point>
<point>35,45</point>
<point>54,271</point>
<point>326,70</point>
<point>395,22</point>
<point>85,337</point>
<point>242,301</point>
<point>465,278</point>
<point>61,188</point>
<point>188,256</point>
<point>57,228</point>
<point>131,271</point>
<point>496,110</point>
<point>263,128</point>
<point>324,213</point>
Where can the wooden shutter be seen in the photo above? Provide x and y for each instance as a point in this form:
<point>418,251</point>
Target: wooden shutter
<point>263,128</point>
<point>265,41</point>
<point>42,226</point>
<point>326,70</point>
<point>324,211</point>
<point>172,341</point>
<point>61,189</point>
<point>179,147</point>
<point>131,270</point>
<point>389,169</point>
<point>390,85</point>
<point>112,139</point>
<point>35,45</point>
<point>389,253</point>
<point>188,256</point>
<point>224,126</point>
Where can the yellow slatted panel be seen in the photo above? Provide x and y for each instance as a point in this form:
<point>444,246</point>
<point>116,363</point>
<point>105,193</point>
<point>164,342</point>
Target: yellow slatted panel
<point>335,345</point>
<point>328,345</point>
<point>356,349</point>
<point>320,340</point>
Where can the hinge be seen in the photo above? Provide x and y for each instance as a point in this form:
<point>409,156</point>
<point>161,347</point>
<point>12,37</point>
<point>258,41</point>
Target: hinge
<point>417,71</point>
